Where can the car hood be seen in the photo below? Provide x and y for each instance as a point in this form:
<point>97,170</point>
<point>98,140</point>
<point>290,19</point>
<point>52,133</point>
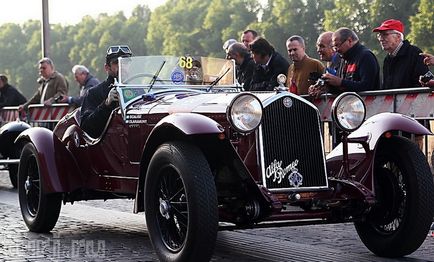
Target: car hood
<point>202,103</point>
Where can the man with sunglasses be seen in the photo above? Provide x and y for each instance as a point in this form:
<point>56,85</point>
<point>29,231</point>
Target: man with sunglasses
<point>100,100</point>
<point>359,69</point>
<point>402,65</point>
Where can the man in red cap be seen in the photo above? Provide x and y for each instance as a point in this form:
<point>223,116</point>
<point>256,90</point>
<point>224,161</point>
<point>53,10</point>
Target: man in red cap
<point>403,65</point>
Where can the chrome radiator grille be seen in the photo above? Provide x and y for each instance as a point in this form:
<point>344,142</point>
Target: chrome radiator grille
<point>291,148</point>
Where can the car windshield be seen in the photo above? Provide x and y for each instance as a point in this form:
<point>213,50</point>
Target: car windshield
<point>142,75</point>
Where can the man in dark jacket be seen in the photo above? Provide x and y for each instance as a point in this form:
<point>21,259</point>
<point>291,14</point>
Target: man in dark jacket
<point>269,64</point>
<point>359,69</point>
<point>244,64</point>
<point>9,95</point>
<point>403,65</point>
<point>100,100</point>
<point>86,80</point>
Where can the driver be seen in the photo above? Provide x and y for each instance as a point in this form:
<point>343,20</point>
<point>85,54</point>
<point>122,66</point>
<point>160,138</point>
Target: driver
<point>103,98</point>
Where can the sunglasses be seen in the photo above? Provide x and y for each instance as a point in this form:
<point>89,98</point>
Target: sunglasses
<point>119,49</point>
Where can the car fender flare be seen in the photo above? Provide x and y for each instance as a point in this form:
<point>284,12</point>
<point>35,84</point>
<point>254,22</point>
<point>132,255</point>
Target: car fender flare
<point>173,126</point>
<point>8,133</point>
<point>374,128</point>
<point>57,166</point>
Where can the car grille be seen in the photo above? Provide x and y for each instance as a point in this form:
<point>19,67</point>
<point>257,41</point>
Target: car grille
<point>291,148</point>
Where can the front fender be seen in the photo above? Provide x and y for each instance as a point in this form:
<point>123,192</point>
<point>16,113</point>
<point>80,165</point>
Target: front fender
<point>8,133</point>
<point>190,123</point>
<point>56,164</point>
<point>375,126</point>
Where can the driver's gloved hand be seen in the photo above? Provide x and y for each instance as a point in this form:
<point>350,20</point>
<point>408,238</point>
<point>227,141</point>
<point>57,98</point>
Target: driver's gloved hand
<point>112,97</point>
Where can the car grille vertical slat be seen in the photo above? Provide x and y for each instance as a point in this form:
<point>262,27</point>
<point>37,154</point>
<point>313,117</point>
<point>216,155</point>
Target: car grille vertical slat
<point>289,134</point>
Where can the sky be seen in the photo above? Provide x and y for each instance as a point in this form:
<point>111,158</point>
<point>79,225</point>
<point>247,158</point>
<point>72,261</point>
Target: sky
<point>67,11</point>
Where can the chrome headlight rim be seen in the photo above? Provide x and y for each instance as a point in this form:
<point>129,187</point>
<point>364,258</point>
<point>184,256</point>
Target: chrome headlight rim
<point>235,104</point>
<point>337,103</point>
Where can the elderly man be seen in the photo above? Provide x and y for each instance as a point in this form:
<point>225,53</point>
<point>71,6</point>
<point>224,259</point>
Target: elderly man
<point>359,70</point>
<point>244,64</point>
<point>303,65</point>
<point>85,80</point>
<point>403,65</point>
<point>52,85</point>
<point>247,37</point>
<point>327,54</point>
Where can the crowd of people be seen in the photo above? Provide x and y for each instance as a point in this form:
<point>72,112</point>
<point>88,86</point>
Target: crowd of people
<point>345,65</point>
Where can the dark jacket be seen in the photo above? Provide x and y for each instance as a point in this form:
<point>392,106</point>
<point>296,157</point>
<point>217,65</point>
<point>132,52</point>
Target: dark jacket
<point>403,70</point>
<point>90,81</point>
<point>265,79</point>
<point>245,72</point>
<point>10,96</point>
<point>94,112</point>
<point>359,70</point>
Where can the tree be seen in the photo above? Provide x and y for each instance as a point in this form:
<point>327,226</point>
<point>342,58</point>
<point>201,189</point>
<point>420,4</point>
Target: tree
<point>422,26</point>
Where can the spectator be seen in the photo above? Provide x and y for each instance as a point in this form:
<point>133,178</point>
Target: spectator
<point>85,80</point>
<point>227,44</point>
<point>100,100</point>
<point>403,65</point>
<point>52,85</point>
<point>269,64</point>
<point>302,66</point>
<point>359,69</point>
<point>248,36</point>
<point>9,95</point>
<point>244,64</point>
<point>327,54</point>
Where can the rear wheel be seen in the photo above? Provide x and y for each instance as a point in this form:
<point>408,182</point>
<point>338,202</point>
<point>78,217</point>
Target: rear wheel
<point>181,203</point>
<point>404,189</point>
<point>40,211</point>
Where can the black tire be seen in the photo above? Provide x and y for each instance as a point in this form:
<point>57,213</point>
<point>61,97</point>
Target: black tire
<point>404,187</point>
<point>181,203</point>
<point>40,211</point>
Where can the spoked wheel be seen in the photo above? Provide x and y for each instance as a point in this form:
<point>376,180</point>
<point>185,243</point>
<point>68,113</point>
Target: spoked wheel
<point>404,189</point>
<point>181,204</point>
<point>40,211</point>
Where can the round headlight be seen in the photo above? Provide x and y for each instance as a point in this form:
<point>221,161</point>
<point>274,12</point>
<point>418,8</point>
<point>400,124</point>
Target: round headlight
<point>348,111</point>
<point>245,113</point>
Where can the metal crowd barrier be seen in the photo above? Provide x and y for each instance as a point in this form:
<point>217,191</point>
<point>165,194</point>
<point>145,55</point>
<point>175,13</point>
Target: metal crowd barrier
<point>415,102</point>
<point>36,115</point>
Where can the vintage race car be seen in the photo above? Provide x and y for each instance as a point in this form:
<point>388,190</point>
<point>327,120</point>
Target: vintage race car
<point>199,155</point>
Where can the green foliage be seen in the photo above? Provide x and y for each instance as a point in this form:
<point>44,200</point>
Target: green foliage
<point>200,27</point>
<point>422,25</point>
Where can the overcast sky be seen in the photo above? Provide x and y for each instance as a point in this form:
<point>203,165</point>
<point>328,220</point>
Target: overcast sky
<point>67,11</point>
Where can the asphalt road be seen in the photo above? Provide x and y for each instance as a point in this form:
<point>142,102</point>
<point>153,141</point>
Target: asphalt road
<point>109,231</point>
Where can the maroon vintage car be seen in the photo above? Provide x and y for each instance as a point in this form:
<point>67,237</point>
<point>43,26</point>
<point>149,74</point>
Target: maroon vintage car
<point>199,155</point>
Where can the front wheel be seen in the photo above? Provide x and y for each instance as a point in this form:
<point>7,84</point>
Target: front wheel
<point>181,203</point>
<point>404,189</point>
<point>40,211</point>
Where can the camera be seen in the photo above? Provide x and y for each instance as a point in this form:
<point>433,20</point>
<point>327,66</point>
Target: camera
<point>315,77</point>
<point>427,77</point>
<point>57,99</point>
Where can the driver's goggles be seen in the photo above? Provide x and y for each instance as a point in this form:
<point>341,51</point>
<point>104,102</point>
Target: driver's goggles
<point>118,49</point>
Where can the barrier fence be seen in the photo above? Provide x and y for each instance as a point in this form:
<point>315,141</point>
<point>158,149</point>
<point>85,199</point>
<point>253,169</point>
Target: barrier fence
<point>415,102</point>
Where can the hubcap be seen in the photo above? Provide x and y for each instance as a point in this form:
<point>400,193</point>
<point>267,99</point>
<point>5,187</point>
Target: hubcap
<point>164,208</point>
<point>28,185</point>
